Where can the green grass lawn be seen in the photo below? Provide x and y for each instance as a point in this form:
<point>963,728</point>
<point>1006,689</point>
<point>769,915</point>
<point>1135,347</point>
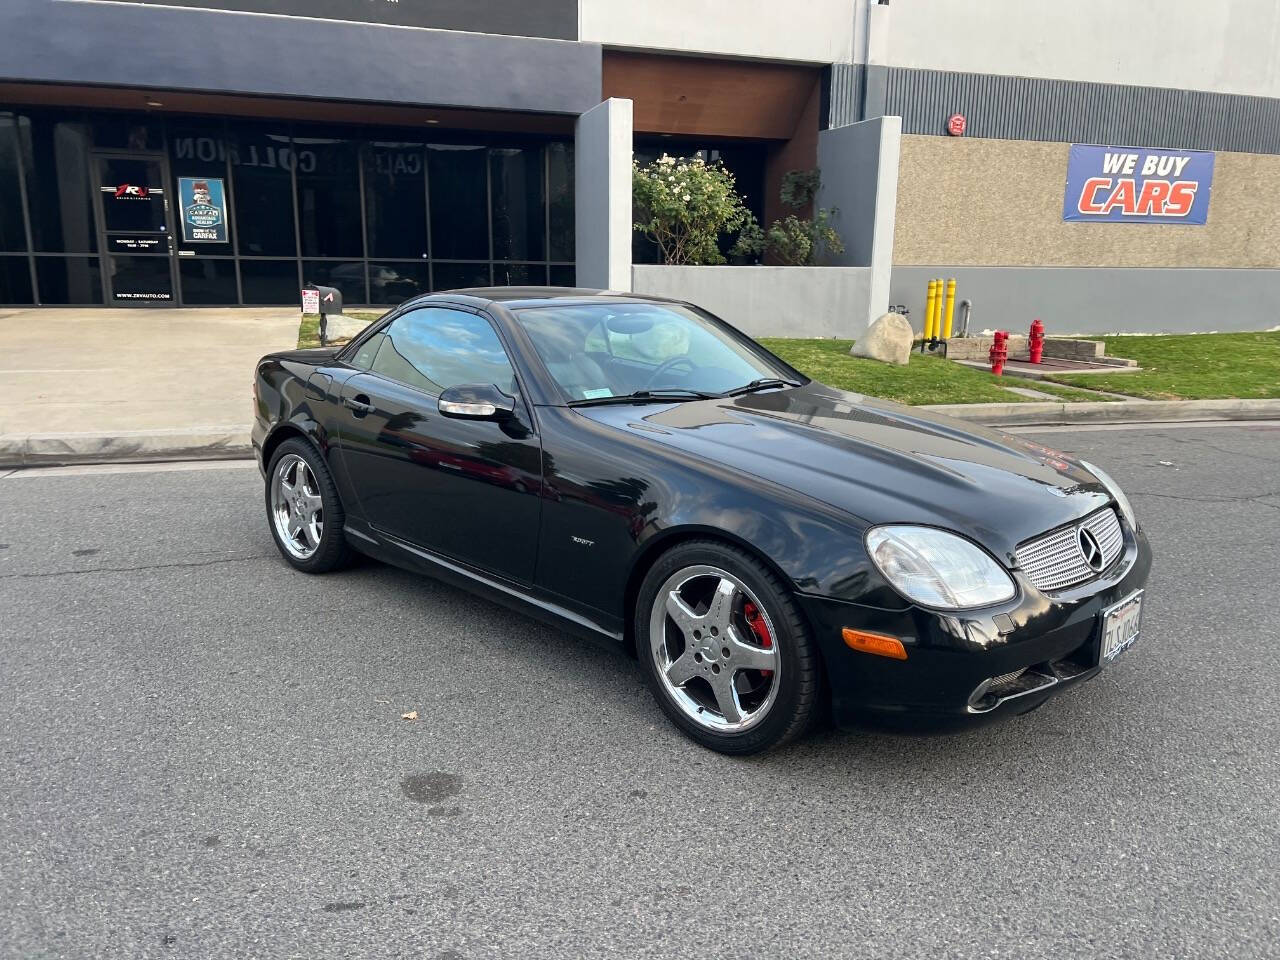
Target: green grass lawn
<point>309,329</point>
<point>1197,367</point>
<point>926,379</point>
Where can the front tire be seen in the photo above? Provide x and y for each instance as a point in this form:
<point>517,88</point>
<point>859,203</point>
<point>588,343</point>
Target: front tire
<point>304,512</point>
<point>725,649</point>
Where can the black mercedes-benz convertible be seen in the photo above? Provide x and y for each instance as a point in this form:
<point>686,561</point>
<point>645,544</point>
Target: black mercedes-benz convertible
<point>638,470</point>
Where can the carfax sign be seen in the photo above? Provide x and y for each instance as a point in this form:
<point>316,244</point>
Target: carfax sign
<point>1137,185</point>
<point>203,207</point>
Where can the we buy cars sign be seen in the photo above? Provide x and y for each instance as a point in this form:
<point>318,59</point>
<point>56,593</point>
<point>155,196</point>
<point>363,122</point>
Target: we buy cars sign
<point>1137,185</point>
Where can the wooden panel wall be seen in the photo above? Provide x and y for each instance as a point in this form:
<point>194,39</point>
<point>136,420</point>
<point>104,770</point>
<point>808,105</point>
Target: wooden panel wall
<point>711,98</point>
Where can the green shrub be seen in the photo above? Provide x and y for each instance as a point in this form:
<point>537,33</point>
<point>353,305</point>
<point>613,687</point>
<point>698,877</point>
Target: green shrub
<point>684,205</point>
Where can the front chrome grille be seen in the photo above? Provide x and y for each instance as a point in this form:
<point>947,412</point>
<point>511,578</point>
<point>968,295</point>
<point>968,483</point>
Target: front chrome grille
<point>1054,561</point>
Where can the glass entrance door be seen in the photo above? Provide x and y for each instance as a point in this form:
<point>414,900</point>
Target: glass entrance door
<point>137,233</point>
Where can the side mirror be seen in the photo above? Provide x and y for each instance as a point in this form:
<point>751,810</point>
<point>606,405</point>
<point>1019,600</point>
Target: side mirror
<point>476,401</point>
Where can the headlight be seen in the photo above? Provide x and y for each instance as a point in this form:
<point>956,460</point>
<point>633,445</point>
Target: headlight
<point>938,569</point>
<point>1113,488</point>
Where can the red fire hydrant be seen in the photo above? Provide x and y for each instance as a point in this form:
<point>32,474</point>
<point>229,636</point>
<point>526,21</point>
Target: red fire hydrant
<point>1035,340</point>
<point>999,352</point>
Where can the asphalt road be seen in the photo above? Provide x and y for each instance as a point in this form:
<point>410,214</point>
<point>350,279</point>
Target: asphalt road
<point>204,756</point>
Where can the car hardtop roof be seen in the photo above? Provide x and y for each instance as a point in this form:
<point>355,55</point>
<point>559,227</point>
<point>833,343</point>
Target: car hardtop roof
<point>514,298</point>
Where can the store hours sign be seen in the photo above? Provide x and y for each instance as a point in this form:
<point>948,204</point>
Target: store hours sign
<point>1137,185</point>
<point>203,205</point>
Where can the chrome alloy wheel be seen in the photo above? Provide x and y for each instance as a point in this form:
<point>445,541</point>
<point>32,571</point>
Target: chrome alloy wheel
<point>296,507</point>
<point>715,649</point>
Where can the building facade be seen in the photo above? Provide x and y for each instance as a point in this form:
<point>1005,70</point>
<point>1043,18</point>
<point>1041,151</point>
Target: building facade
<point>215,152</point>
<point>1031,80</point>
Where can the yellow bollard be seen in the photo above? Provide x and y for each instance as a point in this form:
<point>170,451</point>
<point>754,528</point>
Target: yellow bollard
<point>930,302</point>
<point>937,309</point>
<point>950,310</point>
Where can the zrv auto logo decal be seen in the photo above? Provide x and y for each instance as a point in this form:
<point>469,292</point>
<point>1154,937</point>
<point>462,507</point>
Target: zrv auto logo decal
<point>1137,185</point>
<point>131,191</point>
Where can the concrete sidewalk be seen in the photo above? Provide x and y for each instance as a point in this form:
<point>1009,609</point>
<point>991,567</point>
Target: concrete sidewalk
<point>99,383</point>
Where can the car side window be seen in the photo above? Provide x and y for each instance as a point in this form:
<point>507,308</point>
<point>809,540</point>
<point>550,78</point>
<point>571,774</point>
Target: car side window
<point>434,348</point>
<point>368,350</point>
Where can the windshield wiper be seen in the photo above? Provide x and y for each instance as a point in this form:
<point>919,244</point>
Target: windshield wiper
<point>647,396</point>
<point>764,383</point>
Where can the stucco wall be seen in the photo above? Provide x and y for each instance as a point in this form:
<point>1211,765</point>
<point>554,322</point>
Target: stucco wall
<point>966,201</point>
<point>816,31</point>
<point>1100,299</point>
<point>1231,46</point>
<point>769,301</point>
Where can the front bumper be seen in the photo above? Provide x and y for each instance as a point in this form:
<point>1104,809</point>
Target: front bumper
<point>950,655</point>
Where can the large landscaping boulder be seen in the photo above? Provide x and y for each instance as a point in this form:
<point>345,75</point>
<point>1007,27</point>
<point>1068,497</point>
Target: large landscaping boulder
<point>887,339</point>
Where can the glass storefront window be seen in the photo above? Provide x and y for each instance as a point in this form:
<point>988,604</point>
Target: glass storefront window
<point>248,208</point>
<point>518,209</point>
<point>459,202</point>
<point>127,132</point>
<point>562,275</point>
<point>207,282</point>
<point>262,164</point>
<point>15,280</point>
<point>69,280</point>
<point>199,151</point>
<point>396,282</point>
<point>347,277</point>
<point>13,233</point>
<point>395,197</point>
<point>270,281</point>
<point>507,274</point>
<point>560,200</point>
<point>55,160</point>
<point>136,279</point>
<point>328,197</point>
<point>456,276</point>
<point>132,195</point>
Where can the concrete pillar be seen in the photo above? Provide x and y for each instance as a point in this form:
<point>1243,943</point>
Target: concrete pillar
<point>875,77</point>
<point>602,202</point>
<point>859,165</point>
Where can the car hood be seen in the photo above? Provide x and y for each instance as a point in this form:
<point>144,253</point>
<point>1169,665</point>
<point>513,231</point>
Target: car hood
<point>879,461</point>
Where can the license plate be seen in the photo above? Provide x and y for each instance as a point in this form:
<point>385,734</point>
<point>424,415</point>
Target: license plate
<point>1120,626</point>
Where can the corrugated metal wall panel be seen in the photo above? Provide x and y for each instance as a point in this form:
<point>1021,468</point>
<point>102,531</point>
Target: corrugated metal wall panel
<point>1035,108</point>
<point>843,94</point>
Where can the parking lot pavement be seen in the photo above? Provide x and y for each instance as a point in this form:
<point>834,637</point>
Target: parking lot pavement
<point>204,757</point>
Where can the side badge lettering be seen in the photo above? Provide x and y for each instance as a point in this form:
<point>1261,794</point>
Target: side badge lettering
<point>582,541</point>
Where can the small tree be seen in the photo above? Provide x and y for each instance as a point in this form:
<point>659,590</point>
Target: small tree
<point>796,240</point>
<point>684,205</point>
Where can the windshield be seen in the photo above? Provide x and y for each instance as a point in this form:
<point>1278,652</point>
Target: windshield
<point>600,350</point>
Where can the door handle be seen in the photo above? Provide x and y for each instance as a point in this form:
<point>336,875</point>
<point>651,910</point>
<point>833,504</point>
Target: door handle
<point>359,403</point>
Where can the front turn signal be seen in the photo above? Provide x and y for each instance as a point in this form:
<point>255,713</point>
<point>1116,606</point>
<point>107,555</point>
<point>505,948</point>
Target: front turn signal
<point>877,643</point>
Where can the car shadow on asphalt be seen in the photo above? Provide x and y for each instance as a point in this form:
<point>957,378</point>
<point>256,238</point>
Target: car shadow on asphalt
<point>1053,740</point>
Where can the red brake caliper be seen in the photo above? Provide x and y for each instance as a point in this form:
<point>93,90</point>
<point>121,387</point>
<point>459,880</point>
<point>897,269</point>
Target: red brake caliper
<point>756,622</point>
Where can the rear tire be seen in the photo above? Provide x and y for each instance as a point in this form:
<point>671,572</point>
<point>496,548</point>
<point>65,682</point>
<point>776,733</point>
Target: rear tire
<point>726,650</point>
<point>304,512</point>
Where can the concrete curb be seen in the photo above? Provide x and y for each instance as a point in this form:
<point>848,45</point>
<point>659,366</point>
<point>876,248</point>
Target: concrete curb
<point>187,443</point>
<point>1120,411</point>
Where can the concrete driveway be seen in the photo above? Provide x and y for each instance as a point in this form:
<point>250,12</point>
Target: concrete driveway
<point>72,376</point>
